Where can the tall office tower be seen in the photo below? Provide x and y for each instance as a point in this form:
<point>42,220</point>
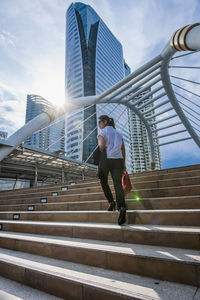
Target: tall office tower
<point>3,134</point>
<point>94,63</point>
<point>141,152</point>
<point>51,138</point>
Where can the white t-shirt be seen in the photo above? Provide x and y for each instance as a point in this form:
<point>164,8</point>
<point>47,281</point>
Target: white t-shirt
<point>113,140</point>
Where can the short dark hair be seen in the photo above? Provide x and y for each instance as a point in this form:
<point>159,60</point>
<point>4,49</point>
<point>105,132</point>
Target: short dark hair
<point>110,121</point>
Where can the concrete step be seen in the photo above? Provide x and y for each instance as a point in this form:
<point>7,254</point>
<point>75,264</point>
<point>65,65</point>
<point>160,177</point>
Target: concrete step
<point>178,217</point>
<point>182,202</point>
<point>53,199</point>
<point>141,177</point>
<point>167,191</point>
<point>79,282</point>
<point>151,203</point>
<point>177,265</point>
<point>168,236</point>
<point>187,172</point>
<point>12,290</point>
<point>56,192</point>
<point>171,170</point>
<point>178,191</point>
<point>81,205</point>
<point>194,180</point>
<point>49,187</point>
<point>95,187</point>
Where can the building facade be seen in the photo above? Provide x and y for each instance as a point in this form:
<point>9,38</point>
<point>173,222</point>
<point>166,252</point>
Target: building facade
<point>94,63</point>
<point>50,138</point>
<point>141,152</point>
<point>3,134</point>
<point>140,147</point>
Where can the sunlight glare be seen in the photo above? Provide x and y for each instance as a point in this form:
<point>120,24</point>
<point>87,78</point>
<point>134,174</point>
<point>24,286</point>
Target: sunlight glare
<point>50,86</point>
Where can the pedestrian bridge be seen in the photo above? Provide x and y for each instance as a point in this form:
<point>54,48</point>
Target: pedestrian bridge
<point>169,81</point>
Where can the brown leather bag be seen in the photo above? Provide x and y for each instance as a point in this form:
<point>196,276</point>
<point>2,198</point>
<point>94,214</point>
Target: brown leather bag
<point>126,183</point>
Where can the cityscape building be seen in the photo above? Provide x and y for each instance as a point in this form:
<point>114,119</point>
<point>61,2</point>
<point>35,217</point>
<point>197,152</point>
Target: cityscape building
<point>3,134</point>
<point>50,138</point>
<point>94,63</point>
<point>140,147</point>
<point>141,152</point>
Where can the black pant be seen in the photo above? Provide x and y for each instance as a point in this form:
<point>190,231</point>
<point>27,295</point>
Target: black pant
<point>115,167</point>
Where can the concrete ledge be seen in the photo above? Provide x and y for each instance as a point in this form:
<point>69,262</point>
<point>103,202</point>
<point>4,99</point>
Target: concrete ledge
<point>95,187</point>
<point>75,281</point>
<point>185,202</point>
<point>193,170</point>
<point>12,290</point>
<point>178,217</point>
<point>168,236</point>
<point>175,191</point>
<point>179,265</point>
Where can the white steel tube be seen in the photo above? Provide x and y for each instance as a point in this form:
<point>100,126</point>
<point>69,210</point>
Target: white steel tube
<point>192,39</point>
<point>20,135</point>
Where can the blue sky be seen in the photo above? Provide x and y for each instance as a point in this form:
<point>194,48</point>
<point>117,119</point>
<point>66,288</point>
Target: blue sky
<point>32,50</point>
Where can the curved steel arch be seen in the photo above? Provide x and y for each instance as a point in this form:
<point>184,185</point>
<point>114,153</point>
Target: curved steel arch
<point>180,41</point>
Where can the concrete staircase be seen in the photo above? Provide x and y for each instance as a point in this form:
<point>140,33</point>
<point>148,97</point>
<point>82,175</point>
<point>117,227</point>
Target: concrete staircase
<point>60,239</point>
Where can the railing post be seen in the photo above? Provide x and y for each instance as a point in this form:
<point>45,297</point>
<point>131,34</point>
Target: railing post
<point>36,175</point>
<point>63,175</point>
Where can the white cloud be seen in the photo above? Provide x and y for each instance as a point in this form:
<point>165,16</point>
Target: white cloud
<point>37,64</point>
<point>6,39</point>
<point>12,112</point>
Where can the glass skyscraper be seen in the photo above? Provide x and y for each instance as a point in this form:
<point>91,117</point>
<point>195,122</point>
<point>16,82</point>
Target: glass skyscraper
<point>139,142</point>
<point>50,138</point>
<point>94,63</point>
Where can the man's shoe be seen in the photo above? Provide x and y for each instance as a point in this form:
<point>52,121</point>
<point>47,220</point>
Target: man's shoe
<point>112,205</point>
<point>122,216</point>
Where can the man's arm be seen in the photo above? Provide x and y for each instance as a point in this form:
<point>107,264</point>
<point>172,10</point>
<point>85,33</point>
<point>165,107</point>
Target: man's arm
<point>102,143</point>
